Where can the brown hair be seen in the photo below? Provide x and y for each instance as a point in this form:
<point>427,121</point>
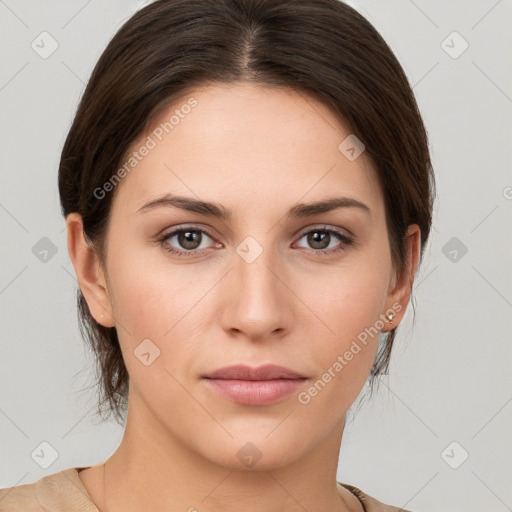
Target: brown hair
<point>323,48</point>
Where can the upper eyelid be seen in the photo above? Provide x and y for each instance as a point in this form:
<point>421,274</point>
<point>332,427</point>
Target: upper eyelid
<point>327,227</point>
<point>174,230</point>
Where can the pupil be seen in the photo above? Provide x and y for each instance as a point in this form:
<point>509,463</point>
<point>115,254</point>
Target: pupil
<point>321,239</point>
<point>189,238</point>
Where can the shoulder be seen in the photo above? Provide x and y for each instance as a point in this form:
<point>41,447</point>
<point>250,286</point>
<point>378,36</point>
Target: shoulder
<point>369,503</point>
<point>62,491</point>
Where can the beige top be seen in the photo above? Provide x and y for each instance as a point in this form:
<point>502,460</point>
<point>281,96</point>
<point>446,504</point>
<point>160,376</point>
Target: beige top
<point>64,492</point>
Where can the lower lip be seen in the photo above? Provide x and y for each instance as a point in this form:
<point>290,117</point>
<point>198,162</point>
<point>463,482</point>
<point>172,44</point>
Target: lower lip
<point>255,392</point>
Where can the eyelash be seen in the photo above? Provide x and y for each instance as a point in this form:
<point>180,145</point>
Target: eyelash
<point>345,241</point>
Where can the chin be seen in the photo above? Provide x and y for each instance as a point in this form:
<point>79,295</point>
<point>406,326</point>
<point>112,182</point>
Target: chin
<point>253,452</point>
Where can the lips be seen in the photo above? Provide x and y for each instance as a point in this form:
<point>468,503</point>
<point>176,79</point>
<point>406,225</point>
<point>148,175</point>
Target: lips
<point>243,372</point>
<point>245,385</point>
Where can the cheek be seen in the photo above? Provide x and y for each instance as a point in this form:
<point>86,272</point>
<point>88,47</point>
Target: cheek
<point>165,302</point>
<point>346,343</point>
<point>150,292</point>
<point>344,317</point>
<point>157,304</point>
<point>343,301</point>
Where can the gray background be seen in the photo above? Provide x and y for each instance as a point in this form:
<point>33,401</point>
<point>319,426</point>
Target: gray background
<point>450,378</point>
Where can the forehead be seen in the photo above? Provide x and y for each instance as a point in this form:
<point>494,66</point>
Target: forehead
<point>244,142</point>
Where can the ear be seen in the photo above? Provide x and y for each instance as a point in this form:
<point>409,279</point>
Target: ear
<point>88,271</point>
<point>401,287</point>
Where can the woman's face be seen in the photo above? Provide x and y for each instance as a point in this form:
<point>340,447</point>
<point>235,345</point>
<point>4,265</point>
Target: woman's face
<point>261,286</point>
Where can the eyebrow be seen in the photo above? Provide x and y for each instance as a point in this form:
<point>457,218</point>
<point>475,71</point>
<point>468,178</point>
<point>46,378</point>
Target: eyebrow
<point>216,210</point>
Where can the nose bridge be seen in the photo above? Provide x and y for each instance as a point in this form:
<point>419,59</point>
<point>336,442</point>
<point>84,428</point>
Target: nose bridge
<point>257,295</point>
<point>256,267</point>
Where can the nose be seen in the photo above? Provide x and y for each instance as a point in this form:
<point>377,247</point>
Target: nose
<point>258,302</point>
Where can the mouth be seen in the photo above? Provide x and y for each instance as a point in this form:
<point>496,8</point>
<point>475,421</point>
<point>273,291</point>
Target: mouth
<point>245,372</point>
<point>245,385</point>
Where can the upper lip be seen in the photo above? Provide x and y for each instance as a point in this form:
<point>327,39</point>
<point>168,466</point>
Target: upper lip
<point>244,372</point>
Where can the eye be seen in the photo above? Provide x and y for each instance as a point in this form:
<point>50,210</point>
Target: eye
<point>188,240</point>
<point>321,239</point>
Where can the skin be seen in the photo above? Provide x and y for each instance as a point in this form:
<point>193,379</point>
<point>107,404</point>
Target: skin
<point>257,151</point>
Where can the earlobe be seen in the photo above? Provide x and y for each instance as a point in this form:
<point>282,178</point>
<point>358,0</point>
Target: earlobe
<point>88,271</point>
<point>399,296</point>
